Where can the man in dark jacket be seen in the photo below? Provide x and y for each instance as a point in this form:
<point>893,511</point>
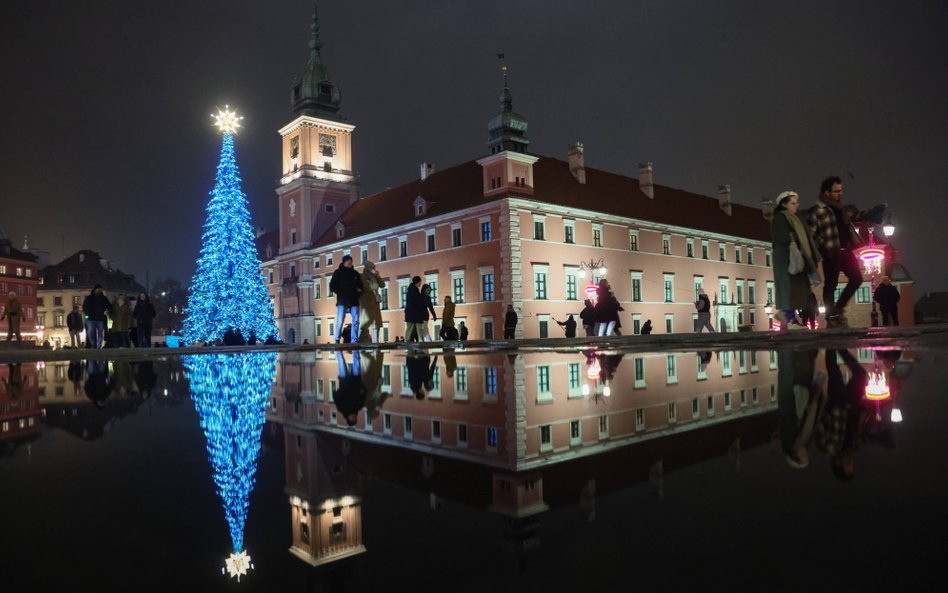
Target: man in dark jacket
<point>510,323</point>
<point>347,285</point>
<point>703,306</point>
<point>569,326</point>
<point>76,325</point>
<point>95,308</point>
<point>462,332</point>
<point>415,311</point>
<point>888,298</point>
<point>588,317</point>
<point>349,396</point>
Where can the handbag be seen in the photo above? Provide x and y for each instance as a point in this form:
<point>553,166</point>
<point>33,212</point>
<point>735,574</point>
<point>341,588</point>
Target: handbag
<point>796,259</point>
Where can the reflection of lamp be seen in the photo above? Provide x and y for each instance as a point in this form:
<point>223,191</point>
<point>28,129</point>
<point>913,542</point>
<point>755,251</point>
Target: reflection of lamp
<point>594,370</point>
<point>769,308</point>
<point>896,415</point>
<point>877,391</point>
<point>607,391</point>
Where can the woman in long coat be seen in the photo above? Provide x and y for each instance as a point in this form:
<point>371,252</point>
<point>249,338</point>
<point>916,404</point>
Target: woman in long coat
<point>791,291</point>
<point>370,311</point>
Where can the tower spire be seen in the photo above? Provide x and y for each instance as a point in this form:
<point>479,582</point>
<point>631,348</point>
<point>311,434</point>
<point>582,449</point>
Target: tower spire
<point>314,93</point>
<point>508,129</point>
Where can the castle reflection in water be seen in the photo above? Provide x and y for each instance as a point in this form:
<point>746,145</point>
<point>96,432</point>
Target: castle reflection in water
<point>517,433</point>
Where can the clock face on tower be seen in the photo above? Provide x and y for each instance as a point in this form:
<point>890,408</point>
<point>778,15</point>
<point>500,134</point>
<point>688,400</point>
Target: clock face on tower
<point>327,144</point>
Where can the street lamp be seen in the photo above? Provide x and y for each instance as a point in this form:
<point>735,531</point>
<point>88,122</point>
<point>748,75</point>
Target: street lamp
<point>592,266</point>
<point>888,228</point>
<point>873,261</point>
<point>769,308</point>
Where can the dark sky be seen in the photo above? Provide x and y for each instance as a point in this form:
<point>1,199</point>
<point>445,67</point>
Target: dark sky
<point>106,141</point>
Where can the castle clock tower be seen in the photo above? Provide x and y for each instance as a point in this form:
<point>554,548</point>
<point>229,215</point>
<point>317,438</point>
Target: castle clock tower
<point>316,184</point>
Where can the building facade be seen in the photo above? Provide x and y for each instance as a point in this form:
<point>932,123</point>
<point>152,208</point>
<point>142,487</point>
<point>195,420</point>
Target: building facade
<point>18,274</point>
<point>66,284</point>
<point>508,228</point>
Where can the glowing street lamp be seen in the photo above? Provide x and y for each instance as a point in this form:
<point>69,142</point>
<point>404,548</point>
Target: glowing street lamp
<point>769,308</point>
<point>592,266</point>
<point>888,229</point>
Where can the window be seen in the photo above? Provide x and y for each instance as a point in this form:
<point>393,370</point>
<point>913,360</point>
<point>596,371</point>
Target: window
<point>543,382</point>
<point>544,322</point>
<point>490,381</point>
<point>58,301</point>
<point>456,235</point>
<point>460,382</point>
<point>329,292</point>
<point>767,258</point>
<point>743,397</point>
<point>364,252</point>
<point>487,286</point>
<point>666,244</point>
<point>539,228</point>
<point>669,288</point>
<point>699,284</point>
<point>329,260</point>
<point>292,240</point>
<point>603,426</point>
<point>597,235</point>
<point>402,292</point>
<point>669,323</point>
<point>432,281</point>
<point>539,282</point>
<point>383,297</point>
<point>695,408</point>
<point>671,374</point>
<point>727,401</point>
<point>330,208</point>
<point>41,319</point>
<point>571,287</point>
<point>408,426</point>
<point>457,284</point>
<point>569,231</point>
<point>639,419</point>
<point>722,251</point>
<point>76,300</point>
<point>740,292</point>
<point>672,412</point>
<point>492,436</point>
<point>633,240</point>
<point>770,292</point>
<point>387,423</point>
<point>737,254</point>
<point>637,287</point>
<point>436,431</point>
<point>462,435</point>
<point>575,437</point>
<point>710,405</point>
<point>639,373</point>
<point>485,231</point>
<point>488,325</point>
<point>751,292</point>
<point>750,255</point>
<point>862,295</point>
<point>59,320</point>
<point>702,368</point>
<point>574,380</point>
<point>725,364</point>
<point>723,285</point>
<point>403,247</point>
<point>317,290</point>
<point>690,248</point>
<point>383,252</point>
<point>741,362</point>
<point>546,438</point>
<point>270,275</point>
<point>636,324</point>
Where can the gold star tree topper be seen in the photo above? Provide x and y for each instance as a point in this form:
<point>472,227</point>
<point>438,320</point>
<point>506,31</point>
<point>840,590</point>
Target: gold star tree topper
<point>227,120</point>
<point>238,565</point>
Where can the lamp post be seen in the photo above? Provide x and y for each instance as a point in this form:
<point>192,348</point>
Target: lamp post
<point>591,267</point>
<point>873,261</point>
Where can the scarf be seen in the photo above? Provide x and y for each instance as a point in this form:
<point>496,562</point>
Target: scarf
<point>803,240</point>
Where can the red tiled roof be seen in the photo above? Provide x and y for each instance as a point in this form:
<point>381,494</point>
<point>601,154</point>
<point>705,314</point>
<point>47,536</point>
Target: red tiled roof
<point>460,187</point>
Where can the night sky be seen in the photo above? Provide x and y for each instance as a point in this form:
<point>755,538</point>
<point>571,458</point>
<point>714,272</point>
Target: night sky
<point>107,142</point>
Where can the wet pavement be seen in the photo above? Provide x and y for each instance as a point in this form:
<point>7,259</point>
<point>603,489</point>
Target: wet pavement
<point>789,462</point>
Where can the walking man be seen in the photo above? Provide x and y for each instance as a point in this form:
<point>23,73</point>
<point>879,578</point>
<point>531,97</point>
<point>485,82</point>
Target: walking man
<point>347,285</point>
<point>12,313</point>
<point>95,308</point>
<point>415,312</point>
<point>703,305</point>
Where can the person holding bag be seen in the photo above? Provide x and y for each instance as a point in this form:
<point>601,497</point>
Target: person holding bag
<point>795,260</point>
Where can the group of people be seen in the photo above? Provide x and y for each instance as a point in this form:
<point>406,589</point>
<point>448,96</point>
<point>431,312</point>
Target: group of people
<point>599,319</point>
<point>812,248</point>
<point>97,309</point>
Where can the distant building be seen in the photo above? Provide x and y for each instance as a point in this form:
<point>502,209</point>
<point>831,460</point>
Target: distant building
<point>18,274</point>
<point>20,413</point>
<point>932,308</point>
<point>67,283</point>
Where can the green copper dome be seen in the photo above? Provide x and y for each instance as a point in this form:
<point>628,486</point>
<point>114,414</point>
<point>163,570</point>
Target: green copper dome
<point>314,93</point>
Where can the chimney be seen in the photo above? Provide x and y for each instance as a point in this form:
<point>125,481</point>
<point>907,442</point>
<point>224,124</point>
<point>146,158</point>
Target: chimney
<point>645,179</point>
<point>427,169</point>
<point>767,208</point>
<point>577,163</point>
<point>724,198</point>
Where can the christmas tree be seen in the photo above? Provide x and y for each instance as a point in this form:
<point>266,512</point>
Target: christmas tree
<point>227,290</point>
<point>230,394</point>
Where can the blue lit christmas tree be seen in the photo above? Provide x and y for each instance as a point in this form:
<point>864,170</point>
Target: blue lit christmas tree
<point>228,290</point>
<point>230,393</point>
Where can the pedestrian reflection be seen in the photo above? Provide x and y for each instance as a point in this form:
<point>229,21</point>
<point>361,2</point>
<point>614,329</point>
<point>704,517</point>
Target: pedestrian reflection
<point>845,418</point>
<point>97,385</point>
<point>145,378</point>
<point>349,395</point>
<point>373,381</point>
<point>799,395</point>
<point>421,370</point>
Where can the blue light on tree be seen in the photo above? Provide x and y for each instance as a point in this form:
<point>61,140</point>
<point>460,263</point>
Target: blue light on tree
<point>230,393</point>
<point>228,288</point>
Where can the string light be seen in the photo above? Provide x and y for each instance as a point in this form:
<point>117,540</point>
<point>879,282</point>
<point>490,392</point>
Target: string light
<point>228,289</point>
<point>230,394</point>
<point>227,120</point>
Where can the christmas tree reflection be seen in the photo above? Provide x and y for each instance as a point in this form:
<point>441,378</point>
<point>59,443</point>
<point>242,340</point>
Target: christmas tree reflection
<point>230,393</point>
